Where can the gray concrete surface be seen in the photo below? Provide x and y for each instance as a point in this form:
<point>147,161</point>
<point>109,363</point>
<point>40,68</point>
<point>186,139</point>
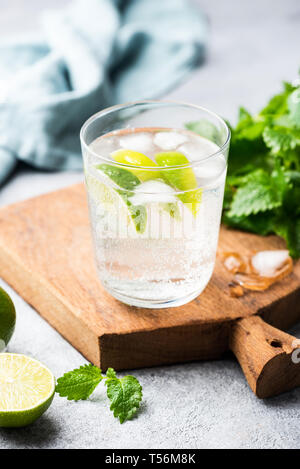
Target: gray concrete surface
<point>253,46</point>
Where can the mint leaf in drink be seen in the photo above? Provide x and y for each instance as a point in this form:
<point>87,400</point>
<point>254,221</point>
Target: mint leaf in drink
<point>80,383</point>
<point>205,128</point>
<point>120,176</point>
<point>125,395</point>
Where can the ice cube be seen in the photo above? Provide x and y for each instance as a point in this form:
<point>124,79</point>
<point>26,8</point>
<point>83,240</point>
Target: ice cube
<point>141,142</point>
<point>191,150</point>
<point>198,149</point>
<point>103,146</point>
<point>169,140</point>
<point>209,171</point>
<point>153,191</point>
<point>266,263</point>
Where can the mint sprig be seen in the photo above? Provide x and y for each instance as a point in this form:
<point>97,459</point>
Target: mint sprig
<point>262,191</point>
<point>125,394</point>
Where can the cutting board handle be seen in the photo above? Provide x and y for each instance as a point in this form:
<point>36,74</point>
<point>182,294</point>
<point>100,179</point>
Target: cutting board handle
<point>269,357</point>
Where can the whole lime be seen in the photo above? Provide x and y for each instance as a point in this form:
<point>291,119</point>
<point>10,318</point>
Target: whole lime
<point>7,319</point>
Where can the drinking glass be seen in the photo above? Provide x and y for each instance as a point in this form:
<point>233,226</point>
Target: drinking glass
<point>155,174</point>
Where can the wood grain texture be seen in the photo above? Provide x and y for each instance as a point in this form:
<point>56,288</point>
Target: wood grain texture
<point>46,255</point>
<point>271,369</point>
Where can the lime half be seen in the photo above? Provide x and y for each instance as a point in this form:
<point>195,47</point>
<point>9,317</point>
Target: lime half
<point>135,158</point>
<point>27,390</point>
<point>182,179</point>
<point>7,319</point>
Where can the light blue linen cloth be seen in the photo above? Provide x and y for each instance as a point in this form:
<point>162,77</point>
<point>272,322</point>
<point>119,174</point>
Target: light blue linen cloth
<point>93,54</point>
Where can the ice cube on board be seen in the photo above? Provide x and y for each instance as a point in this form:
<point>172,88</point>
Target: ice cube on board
<point>266,263</point>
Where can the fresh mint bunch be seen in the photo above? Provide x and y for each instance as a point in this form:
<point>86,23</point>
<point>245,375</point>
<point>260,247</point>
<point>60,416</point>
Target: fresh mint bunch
<point>262,192</point>
<point>125,394</point>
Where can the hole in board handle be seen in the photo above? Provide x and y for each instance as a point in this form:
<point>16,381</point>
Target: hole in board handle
<point>275,343</point>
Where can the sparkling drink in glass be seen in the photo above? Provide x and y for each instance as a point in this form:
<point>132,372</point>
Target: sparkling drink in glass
<point>155,174</point>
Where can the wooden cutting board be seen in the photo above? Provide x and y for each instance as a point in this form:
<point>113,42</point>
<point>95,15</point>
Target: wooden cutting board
<point>46,256</point>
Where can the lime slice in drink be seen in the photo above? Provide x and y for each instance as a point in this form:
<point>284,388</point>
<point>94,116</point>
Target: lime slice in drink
<point>136,159</point>
<point>99,191</point>
<point>117,198</point>
<point>139,159</point>
<point>182,179</point>
<point>7,319</point>
<point>27,390</point>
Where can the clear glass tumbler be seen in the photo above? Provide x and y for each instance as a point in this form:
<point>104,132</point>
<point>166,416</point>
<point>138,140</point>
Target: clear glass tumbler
<point>155,174</point>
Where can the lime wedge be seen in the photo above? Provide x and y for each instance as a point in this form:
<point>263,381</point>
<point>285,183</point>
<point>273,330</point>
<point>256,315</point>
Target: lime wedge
<point>182,179</point>
<point>109,200</point>
<point>7,319</point>
<point>99,191</point>
<point>127,181</point>
<point>136,159</point>
<point>27,390</point>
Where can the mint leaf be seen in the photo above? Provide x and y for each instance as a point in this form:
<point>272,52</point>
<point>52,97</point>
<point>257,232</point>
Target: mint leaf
<point>257,195</point>
<point>260,223</point>
<point>289,229</point>
<point>205,128</point>
<point>125,395</point>
<point>281,139</point>
<point>278,104</point>
<point>247,148</point>
<point>244,117</point>
<point>294,107</point>
<point>294,176</point>
<point>110,373</point>
<point>120,176</point>
<point>80,383</point>
<point>248,128</point>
